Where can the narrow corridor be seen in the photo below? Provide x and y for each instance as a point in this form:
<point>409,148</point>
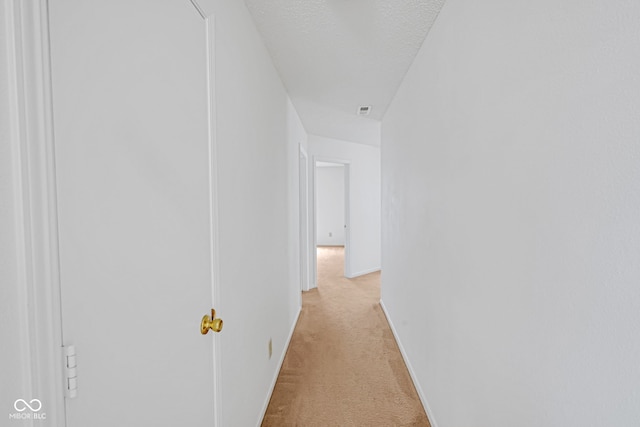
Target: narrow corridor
<point>343,367</point>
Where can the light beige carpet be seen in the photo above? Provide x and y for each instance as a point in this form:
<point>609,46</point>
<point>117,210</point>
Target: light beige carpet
<point>343,367</point>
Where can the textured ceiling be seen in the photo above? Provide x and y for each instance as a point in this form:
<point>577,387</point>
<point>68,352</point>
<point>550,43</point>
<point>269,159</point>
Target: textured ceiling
<point>335,55</point>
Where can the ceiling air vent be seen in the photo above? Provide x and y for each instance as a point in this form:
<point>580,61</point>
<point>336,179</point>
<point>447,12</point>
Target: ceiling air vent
<point>364,110</point>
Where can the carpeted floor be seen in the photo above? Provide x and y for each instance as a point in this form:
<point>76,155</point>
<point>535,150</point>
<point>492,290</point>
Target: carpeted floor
<point>343,367</point>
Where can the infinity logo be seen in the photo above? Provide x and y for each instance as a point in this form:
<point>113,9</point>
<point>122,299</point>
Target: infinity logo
<point>26,405</point>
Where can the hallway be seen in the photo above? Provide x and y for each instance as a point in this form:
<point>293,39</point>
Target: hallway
<point>343,367</point>
<point>158,179</point>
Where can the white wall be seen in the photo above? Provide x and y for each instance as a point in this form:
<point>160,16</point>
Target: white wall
<point>14,358</point>
<point>511,238</point>
<point>364,197</point>
<point>330,205</point>
<point>258,133</point>
<point>342,125</point>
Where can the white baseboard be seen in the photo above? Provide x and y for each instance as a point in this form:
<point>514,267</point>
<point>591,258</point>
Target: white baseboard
<point>362,273</point>
<point>280,362</point>
<point>412,373</point>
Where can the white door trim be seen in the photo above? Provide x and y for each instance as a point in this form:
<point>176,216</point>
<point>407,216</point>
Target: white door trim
<point>347,216</point>
<point>214,214</point>
<point>37,224</point>
<point>303,182</point>
<point>347,221</point>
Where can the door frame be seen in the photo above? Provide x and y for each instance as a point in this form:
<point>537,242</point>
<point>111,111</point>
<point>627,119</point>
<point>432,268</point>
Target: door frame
<point>37,213</point>
<point>35,189</point>
<point>214,226</point>
<point>347,215</point>
<point>303,196</point>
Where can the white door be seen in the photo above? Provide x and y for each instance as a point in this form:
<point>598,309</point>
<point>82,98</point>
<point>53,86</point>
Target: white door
<point>130,105</point>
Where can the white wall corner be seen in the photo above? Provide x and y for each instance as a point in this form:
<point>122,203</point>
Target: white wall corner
<point>363,272</point>
<point>279,367</point>
<point>412,373</point>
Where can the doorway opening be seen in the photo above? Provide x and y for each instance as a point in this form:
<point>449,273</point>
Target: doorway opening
<point>331,213</point>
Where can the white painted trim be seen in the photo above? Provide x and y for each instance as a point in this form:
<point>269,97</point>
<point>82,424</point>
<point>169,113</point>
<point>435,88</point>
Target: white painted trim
<point>214,226</point>
<point>303,151</point>
<point>412,373</point>
<point>305,264</point>
<point>313,242</point>
<point>15,102</point>
<point>280,362</point>
<point>317,158</point>
<point>363,272</point>
<point>36,189</point>
<point>347,221</point>
<point>347,215</point>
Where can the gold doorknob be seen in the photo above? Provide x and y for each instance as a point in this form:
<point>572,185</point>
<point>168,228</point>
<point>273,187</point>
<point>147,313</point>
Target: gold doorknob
<point>210,322</point>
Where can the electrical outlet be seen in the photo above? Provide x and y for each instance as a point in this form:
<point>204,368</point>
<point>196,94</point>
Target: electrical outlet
<point>330,234</point>
<point>270,348</point>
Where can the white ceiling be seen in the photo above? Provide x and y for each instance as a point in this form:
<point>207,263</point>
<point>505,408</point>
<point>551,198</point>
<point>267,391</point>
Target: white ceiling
<point>335,55</point>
